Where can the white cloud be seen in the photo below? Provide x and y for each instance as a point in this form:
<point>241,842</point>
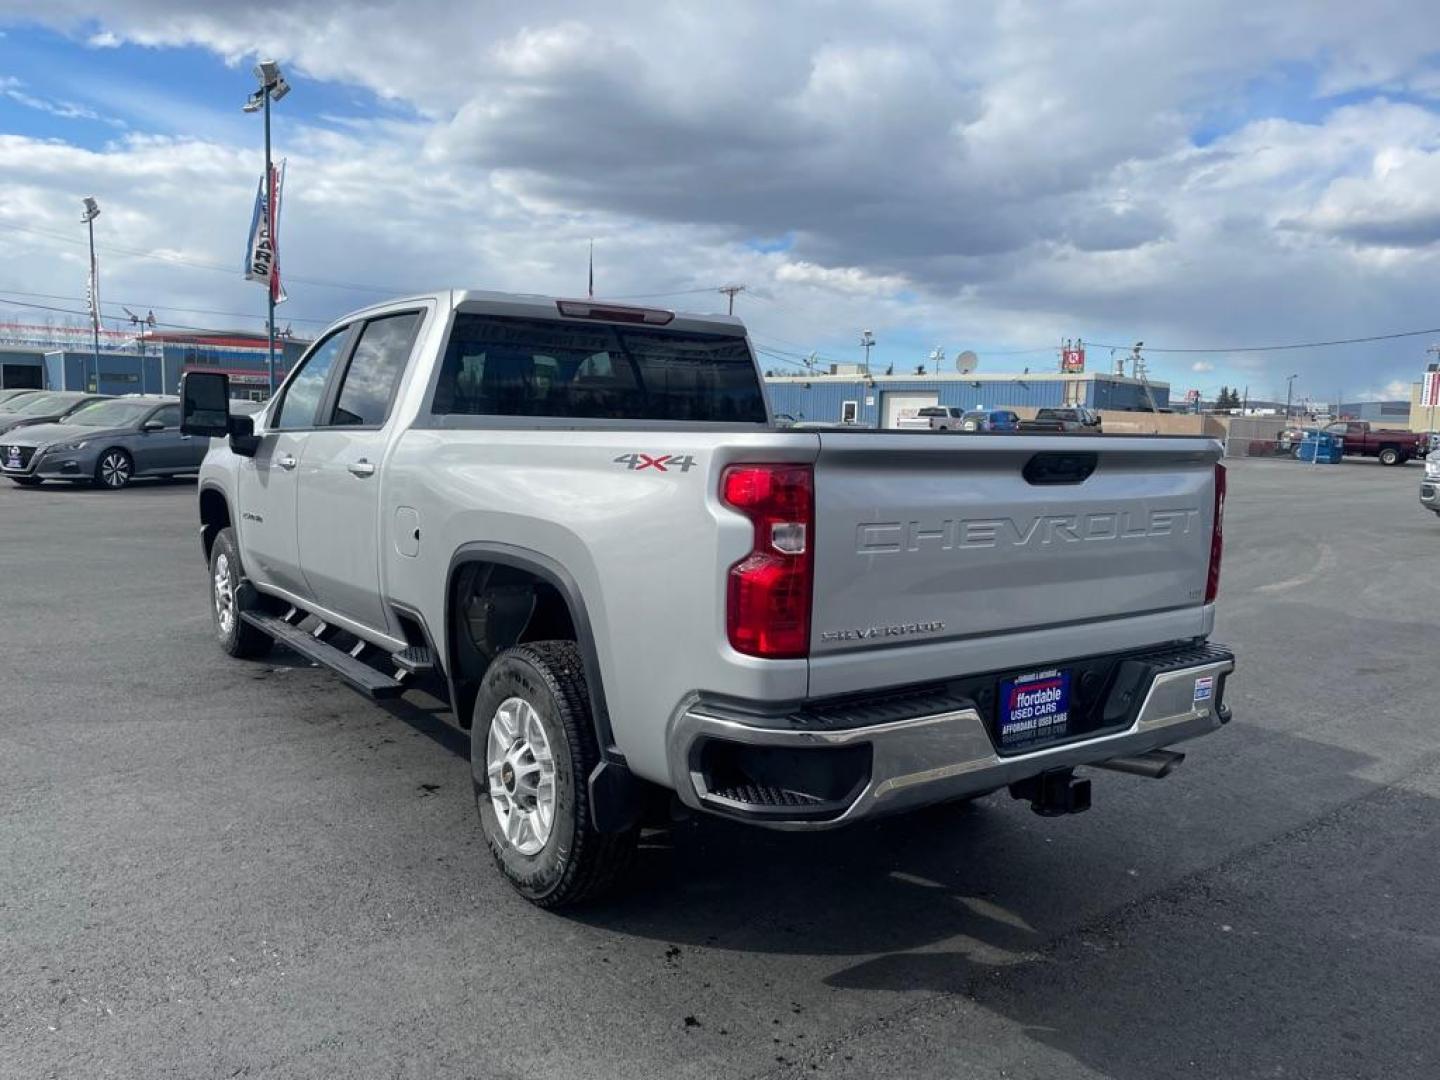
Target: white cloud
<point>1394,390</point>
<point>10,87</point>
<point>1202,366</point>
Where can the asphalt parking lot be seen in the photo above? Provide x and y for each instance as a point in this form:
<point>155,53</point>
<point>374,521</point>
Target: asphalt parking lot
<point>212,868</point>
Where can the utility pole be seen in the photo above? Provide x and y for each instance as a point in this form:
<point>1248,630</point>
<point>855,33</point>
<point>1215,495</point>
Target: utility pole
<point>1142,372</point>
<point>1289,393</point>
<point>730,291</point>
<point>590,290</point>
<point>867,342</point>
<point>92,211</point>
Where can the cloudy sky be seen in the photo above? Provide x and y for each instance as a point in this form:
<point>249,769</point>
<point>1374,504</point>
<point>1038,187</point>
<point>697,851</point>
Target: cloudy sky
<point>987,176</point>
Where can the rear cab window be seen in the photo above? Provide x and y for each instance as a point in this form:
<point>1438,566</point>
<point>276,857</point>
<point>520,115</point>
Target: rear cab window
<point>373,375</point>
<point>496,365</point>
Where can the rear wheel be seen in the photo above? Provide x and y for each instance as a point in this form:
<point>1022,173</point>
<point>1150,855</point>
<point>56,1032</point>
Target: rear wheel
<point>532,749</point>
<point>114,469</point>
<point>1390,456</point>
<point>237,637</point>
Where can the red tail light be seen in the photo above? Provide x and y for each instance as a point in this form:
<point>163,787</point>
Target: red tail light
<point>1217,537</point>
<point>767,611</point>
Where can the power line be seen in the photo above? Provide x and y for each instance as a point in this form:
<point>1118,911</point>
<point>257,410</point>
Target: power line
<point>84,313</point>
<point>1276,348</point>
<point>163,307</point>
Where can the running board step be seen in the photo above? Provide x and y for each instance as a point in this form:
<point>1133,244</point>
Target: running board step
<point>414,660</point>
<point>360,675</point>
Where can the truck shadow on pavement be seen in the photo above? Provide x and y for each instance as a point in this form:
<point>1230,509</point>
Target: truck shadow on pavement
<point>1137,943</point>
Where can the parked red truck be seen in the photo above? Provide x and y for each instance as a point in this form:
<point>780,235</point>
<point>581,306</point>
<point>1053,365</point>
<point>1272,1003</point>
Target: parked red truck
<point>1391,446</point>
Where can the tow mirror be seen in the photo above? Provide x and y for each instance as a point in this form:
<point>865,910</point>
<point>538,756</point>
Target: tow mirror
<point>205,410</point>
<point>205,403</point>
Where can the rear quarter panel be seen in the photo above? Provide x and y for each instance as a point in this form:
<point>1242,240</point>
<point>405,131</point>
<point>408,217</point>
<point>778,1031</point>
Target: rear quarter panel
<point>648,548</point>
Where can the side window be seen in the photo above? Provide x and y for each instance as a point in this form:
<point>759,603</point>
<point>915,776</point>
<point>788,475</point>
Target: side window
<point>375,369</point>
<point>302,396</point>
<point>169,416</point>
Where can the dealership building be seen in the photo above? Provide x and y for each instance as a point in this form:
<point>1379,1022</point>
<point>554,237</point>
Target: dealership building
<point>152,365</point>
<point>882,400</point>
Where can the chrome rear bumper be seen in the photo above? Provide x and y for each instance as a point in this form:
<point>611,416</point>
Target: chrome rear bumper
<point>938,755</point>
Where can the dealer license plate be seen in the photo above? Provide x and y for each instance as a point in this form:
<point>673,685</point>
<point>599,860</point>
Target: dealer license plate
<point>1034,708</point>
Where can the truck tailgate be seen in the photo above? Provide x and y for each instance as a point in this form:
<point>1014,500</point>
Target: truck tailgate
<point>922,539</point>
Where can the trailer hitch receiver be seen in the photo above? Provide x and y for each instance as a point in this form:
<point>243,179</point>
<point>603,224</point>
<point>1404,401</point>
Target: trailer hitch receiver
<point>1054,793</point>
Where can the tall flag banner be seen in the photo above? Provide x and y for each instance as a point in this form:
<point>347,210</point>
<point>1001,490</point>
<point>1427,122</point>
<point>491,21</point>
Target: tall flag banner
<point>591,289</point>
<point>1430,393</point>
<point>262,250</point>
<point>92,292</point>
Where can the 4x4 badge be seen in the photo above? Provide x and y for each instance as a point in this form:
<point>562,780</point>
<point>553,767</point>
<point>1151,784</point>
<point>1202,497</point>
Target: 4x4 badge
<point>660,462</point>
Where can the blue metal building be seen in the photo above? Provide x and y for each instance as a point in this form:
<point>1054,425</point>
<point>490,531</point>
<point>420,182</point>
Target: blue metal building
<point>881,400</point>
<point>120,373</point>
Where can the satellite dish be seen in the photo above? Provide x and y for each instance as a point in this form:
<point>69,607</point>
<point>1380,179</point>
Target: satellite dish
<point>966,362</point>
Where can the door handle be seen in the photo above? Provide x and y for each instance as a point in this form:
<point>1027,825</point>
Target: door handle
<point>361,468</point>
<point>286,462</point>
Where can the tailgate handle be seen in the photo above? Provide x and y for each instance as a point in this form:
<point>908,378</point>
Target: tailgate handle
<point>1060,468</point>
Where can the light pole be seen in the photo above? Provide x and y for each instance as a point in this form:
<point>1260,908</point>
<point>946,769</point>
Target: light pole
<point>867,342</point>
<point>92,211</point>
<point>1289,390</point>
<point>273,87</point>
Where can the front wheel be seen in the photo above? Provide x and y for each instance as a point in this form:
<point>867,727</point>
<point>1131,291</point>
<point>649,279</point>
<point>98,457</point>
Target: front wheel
<point>237,637</point>
<point>532,749</point>
<point>114,469</point>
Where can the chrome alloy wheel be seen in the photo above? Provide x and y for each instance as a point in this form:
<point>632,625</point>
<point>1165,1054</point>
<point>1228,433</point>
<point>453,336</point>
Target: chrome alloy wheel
<point>224,595</point>
<point>521,773</point>
<point>115,469</point>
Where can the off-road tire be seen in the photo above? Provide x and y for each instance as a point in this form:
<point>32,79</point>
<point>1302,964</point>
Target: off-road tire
<point>577,863</point>
<point>114,469</point>
<point>239,639</point>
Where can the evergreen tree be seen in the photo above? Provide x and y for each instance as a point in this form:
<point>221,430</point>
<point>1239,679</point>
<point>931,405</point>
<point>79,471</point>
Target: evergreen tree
<point>1222,400</point>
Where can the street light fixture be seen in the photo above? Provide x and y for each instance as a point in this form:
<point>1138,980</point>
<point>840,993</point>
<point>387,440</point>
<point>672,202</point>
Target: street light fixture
<point>91,212</point>
<point>273,87</point>
<point>867,342</point>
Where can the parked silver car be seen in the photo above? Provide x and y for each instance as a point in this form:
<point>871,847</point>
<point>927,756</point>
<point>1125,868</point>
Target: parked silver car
<point>108,444</point>
<point>14,394</point>
<point>46,407</point>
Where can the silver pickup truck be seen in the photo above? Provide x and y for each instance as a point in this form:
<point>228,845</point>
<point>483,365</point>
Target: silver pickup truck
<point>578,522</point>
